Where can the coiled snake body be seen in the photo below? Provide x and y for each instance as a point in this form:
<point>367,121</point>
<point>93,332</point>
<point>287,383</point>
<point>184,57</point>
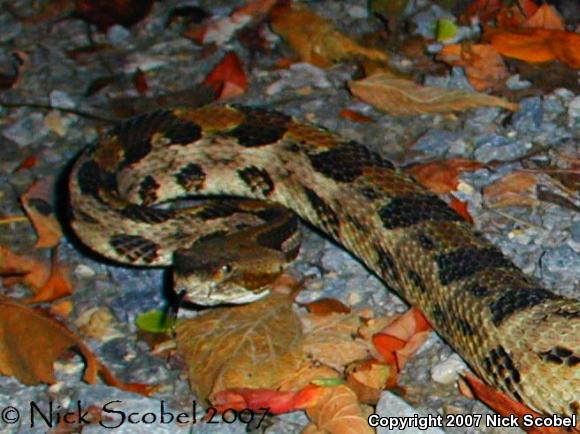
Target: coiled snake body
<point>517,336</point>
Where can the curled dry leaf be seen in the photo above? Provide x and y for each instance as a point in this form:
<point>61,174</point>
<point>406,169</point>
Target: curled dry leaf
<point>484,67</point>
<point>515,189</point>
<point>57,286</point>
<point>37,202</point>
<point>545,17</point>
<point>228,77</point>
<point>333,339</point>
<point>400,97</point>
<point>326,306</point>
<point>338,411</point>
<point>31,341</point>
<point>368,378</point>
<point>401,339</point>
<point>537,45</point>
<point>255,345</point>
<point>15,267</point>
<point>316,40</point>
<point>442,176</point>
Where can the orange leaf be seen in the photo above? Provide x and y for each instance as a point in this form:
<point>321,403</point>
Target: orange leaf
<point>326,306</point>
<point>545,17</point>
<point>16,267</point>
<point>31,341</point>
<point>355,116</point>
<point>338,411</point>
<point>460,208</point>
<point>37,202</point>
<point>483,65</point>
<point>441,176</point>
<point>57,286</point>
<point>228,77</point>
<point>514,189</point>
<point>399,341</point>
<point>506,406</point>
<point>266,399</point>
<point>537,45</point>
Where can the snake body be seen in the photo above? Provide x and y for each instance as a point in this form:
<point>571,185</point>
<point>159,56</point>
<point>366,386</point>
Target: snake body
<point>519,337</point>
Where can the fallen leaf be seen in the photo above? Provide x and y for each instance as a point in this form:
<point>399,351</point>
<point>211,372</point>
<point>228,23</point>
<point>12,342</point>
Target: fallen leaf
<point>401,339</point>
<point>98,323</point>
<point>338,411</point>
<point>31,341</point>
<point>28,163</point>
<point>484,67</point>
<point>260,400</point>
<point>316,40</point>
<point>460,208</point>
<point>326,306</point>
<point>37,203</point>
<point>254,345</point>
<point>507,407</point>
<point>228,77</point>
<point>400,97</point>
<point>368,378</point>
<point>442,176</point>
<point>333,339</point>
<point>57,286</point>
<point>355,116</point>
<point>545,17</point>
<point>515,189</point>
<point>15,267</point>
<point>537,45</point>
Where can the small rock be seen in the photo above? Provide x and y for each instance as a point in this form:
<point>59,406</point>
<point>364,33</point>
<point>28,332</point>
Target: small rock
<point>447,371</point>
<point>60,99</point>
<point>494,147</point>
<point>516,83</point>
<point>28,130</point>
<point>575,232</point>
<point>117,34</point>
<point>84,272</point>
<point>530,115</point>
<point>574,113</point>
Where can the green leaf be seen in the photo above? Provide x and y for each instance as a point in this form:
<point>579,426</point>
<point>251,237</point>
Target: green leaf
<point>155,321</point>
<point>446,29</point>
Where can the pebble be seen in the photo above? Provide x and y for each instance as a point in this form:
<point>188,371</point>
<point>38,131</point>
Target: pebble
<point>82,271</point>
<point>575,231</point>
<point>299,75</point>
<point>574,113</point>
<point>530,115</point>
<point>28,130</point>
<point>447,371</point>
<point>61,99</point>
<point>495,147</point>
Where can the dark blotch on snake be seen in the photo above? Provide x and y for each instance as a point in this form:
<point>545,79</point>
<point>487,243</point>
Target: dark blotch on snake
<point>145,214</point>
<point>92,178</point>
<point>328,218</point>
<point>463,263</point>
<point>191,177</point>
<point>499,362</point>
<point>135,248</point>
<point>260,127</point>
<point>148,190</point>
<point>560,356</point>
<point>346,162</point>
<point>513,300</point>
<point>417,281</point>
<point>402,212</point>
<point>257,179</point>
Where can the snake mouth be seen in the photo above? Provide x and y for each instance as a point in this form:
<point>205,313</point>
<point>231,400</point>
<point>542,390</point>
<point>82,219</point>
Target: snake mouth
<point>209,298</point>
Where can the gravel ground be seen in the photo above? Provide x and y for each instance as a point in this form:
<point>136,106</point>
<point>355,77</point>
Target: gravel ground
<point>544,240</point>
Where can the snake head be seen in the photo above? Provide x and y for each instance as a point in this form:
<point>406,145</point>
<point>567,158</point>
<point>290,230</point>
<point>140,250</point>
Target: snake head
<point>211,273</point>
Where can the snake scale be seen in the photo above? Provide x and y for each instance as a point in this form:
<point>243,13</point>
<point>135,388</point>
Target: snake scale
<point>519,337</point>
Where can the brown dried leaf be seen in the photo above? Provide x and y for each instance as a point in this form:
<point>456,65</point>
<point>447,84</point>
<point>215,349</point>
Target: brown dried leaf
<point>338,411</point>
<point>400,97</point>
<point>333,339</point>
<point>37,202</point>
<point>546,17</point>
<point>442,176</point>
<point>515,189</point>
<point>484,67</point>
<point>256,345</point>
<point>316,40</point>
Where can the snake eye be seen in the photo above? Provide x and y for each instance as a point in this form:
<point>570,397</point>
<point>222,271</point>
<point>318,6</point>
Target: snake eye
<point>226,269</point>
